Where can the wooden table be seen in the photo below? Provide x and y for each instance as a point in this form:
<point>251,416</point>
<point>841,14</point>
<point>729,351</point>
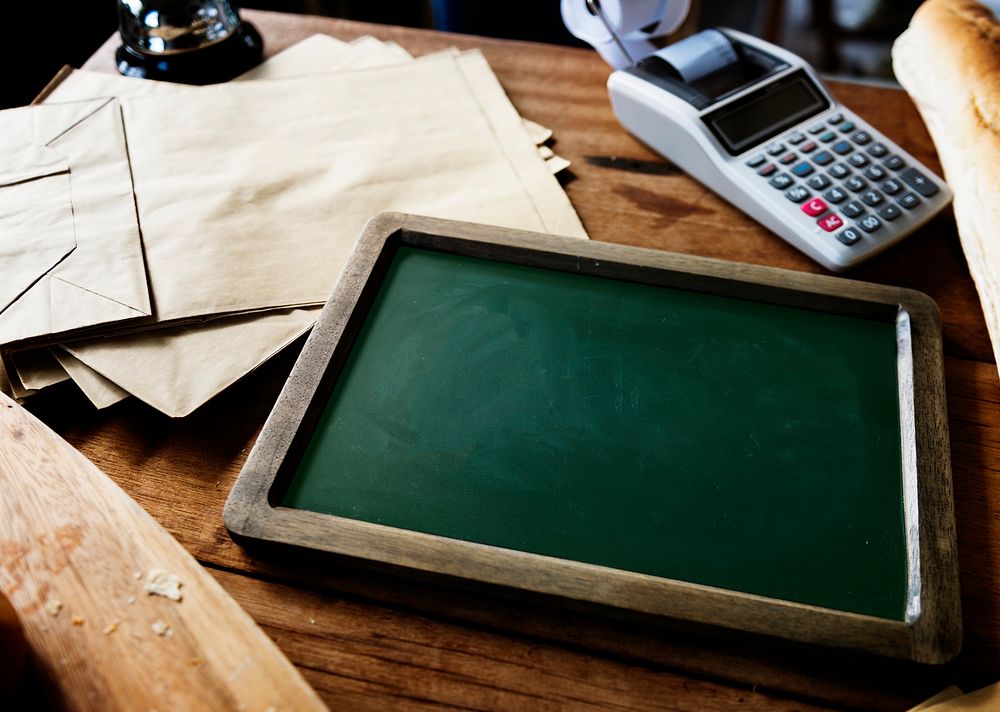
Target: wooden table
<point>370,641</point>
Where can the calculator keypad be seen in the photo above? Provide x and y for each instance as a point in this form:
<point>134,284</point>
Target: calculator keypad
<point>876,173</point>
<point>894,163</point>
<point>877,150</point>
<point>869,223</point>
<point>822,158</point>
<point>797,194</point>
<point>858,160</point>
<point>835,195</point>
<point>856,184</point>
<point>819,182</point>
<point>849,236</point>
<point>892,187</point>
<point>814,208</point>
<point>890,212</point>
<point>853,209</point>
<point>839,171</point>
<point>921,183</point>
<point>831,222</point>
<point>853,186</point>
<point>781,181</point>
<point>871,198</point>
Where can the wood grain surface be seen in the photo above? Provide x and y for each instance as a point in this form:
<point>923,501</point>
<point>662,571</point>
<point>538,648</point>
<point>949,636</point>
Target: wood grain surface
<point>366,640</point>
<point>80,562</point>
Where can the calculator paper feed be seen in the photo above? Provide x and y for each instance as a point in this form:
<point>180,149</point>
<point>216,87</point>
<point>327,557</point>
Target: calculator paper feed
<point>634,23</point>
<point>699,55</point>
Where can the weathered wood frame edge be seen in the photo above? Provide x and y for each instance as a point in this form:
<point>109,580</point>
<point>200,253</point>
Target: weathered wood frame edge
<point>932,633</point>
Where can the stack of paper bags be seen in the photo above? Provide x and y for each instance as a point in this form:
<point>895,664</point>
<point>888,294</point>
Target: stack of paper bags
<point>953,699</point>
<point>248,198</point>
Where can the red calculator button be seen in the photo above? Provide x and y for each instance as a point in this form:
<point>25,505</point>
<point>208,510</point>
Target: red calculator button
<point>814,207</point>
<point>830,222</point>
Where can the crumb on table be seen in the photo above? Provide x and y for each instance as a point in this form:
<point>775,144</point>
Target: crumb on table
<point>163,583</point>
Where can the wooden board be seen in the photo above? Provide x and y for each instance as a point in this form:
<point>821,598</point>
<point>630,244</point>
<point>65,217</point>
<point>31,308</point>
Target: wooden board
<point>398,443</point>
<point>75,556</point>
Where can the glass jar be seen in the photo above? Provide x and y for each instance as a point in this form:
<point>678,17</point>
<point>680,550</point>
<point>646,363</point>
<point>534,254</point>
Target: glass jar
<point>190,41</point>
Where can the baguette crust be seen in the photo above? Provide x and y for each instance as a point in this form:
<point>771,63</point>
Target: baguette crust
<point>969,35</point>
<point>948,60</point>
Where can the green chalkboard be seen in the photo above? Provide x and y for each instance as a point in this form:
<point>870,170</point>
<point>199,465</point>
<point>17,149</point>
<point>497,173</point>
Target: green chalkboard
<point>742,445</point>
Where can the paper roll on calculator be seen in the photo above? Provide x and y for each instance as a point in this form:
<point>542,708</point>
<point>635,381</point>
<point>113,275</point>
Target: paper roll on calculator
<point>699,55</point>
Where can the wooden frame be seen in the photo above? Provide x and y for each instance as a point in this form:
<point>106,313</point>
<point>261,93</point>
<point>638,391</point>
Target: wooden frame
<point>932,630</point>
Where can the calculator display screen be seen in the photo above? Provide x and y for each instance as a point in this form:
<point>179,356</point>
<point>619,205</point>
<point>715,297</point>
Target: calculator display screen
<point>766,112</point>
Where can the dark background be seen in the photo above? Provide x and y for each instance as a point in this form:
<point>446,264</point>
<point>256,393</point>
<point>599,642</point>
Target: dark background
<point>841,36</point>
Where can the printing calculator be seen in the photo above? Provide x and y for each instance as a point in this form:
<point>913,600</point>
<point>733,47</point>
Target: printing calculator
<point>755,124</point>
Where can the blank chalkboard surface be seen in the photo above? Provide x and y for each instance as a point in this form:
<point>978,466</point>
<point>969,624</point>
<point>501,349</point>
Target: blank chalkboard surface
<point>743,445</point>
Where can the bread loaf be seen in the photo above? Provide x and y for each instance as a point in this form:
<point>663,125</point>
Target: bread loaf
<point>948,60</point>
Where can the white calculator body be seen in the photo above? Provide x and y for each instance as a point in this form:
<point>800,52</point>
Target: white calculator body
<point>765,134</point>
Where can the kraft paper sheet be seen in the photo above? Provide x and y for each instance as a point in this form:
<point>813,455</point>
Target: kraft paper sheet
<point>268,223</point>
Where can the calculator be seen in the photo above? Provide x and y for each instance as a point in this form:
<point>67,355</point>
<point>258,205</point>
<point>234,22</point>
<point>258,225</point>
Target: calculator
<point>755,124</point>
